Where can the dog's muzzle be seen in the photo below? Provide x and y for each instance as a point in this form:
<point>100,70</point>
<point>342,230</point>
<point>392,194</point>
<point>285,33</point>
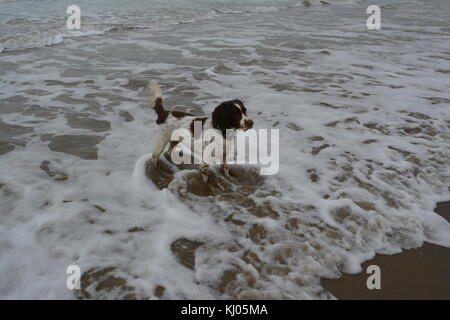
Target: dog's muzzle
<point>248,124</point>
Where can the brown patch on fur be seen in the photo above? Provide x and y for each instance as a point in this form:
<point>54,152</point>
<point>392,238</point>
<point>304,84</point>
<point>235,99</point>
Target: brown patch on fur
<point>180,114</point>
<point>160,112</point>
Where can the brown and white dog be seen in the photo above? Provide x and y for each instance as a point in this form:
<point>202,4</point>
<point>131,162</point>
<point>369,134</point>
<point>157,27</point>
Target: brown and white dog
<point>228,115</point>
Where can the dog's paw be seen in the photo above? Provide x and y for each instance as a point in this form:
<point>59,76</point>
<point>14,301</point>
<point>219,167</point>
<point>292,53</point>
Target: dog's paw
<point>227,173</point>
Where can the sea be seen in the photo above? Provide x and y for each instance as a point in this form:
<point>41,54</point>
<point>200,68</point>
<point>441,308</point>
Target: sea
<point>363,117</point>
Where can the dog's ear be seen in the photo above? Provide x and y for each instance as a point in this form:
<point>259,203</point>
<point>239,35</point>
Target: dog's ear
<point>221,118</point>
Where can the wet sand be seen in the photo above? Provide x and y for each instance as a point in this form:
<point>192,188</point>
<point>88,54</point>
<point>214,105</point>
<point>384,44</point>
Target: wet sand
<point>422,273</point>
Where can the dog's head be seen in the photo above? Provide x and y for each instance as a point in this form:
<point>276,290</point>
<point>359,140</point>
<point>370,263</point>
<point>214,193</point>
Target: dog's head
<point>231,115</point>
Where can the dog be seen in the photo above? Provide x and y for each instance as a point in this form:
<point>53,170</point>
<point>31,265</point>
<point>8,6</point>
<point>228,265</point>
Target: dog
<point>229,115</point>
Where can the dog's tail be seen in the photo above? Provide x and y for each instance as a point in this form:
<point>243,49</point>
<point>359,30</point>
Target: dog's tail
<point>154,95</point>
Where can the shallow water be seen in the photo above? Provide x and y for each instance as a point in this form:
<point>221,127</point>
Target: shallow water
<point>364,149</point>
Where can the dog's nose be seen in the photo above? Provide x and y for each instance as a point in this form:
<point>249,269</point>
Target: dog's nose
<point>249,123</point>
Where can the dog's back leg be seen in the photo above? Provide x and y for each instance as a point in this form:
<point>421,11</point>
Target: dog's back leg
<point>168,153</point>
<point>158,148</point>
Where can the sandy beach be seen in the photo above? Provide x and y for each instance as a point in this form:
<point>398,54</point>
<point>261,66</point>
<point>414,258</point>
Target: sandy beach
<point>421,273</point>
<point>363,127</point>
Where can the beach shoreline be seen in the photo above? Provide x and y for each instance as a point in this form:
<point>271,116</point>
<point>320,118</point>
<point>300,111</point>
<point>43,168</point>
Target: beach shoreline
<point>420,273</point>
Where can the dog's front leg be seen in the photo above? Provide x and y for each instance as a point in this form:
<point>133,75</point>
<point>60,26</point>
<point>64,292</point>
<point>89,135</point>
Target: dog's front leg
<point>204,171</point>
<point>226,151</point>
<point>224,165</point>
<point>226,170</point>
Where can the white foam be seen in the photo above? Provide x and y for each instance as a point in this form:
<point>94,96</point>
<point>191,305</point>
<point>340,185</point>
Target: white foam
<point>368,198</point>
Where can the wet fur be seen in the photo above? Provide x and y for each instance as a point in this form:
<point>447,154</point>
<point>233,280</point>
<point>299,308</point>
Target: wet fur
<point>228,115</point>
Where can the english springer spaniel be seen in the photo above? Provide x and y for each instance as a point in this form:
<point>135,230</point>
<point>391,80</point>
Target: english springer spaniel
<point>228,115</point>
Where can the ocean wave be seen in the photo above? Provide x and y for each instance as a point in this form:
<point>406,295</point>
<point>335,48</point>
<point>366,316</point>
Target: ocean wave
<point>364,156</point>
<point>39,39</point>
<point>52,31</point>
